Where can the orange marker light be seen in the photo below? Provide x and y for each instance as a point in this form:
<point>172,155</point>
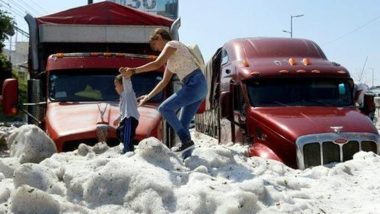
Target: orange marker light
<point>14,110</point>
<point>59,55</point>
<point>306,61</point>
<point>301,71</point>
<point>316,71</point>
<point>107,54</point>
<point>245,63</point>
<point>341,72</point>
<point>292,61</point>
<point>242,63</point>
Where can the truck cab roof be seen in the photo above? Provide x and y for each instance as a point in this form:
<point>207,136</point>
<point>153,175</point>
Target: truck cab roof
<point>105,13</point>
<point>275,57</point>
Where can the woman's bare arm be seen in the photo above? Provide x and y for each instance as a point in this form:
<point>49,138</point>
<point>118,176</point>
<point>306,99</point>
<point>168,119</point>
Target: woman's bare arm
<point>156,64</point>
<point>159,87</point>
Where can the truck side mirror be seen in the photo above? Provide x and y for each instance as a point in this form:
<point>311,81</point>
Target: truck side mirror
<point>369,107</point>
<point>225,104</point>
<point>10,97</point>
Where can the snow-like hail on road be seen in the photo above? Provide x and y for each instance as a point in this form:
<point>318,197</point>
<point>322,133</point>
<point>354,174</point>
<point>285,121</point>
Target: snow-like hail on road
<point>215,179</point>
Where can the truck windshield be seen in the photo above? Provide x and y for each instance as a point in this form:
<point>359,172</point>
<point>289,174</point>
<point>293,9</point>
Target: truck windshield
<point>299,92</point>
<point>97,86</point>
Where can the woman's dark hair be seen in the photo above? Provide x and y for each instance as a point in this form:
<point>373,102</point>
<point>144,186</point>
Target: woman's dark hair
<point>163,33</point>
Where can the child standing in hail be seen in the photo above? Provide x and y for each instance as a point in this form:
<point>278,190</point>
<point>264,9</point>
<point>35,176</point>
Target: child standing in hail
<point>129,116</point>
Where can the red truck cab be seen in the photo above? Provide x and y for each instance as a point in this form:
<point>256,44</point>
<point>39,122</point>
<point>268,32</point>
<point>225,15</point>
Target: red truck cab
<point>82,102</point>
<point>287,101</point>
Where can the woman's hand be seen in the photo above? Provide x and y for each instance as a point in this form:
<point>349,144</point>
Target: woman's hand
<point>116,122</point>
<point>159,87</point>
<point>143,99</point>
<point>126,72</point>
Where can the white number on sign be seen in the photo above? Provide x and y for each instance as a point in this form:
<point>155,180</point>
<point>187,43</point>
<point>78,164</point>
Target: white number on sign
<point>147,4</point>
<point>135,4</point>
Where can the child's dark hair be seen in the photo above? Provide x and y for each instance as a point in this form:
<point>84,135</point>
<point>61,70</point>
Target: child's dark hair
<point>119,78</point>
<point>163,33</point>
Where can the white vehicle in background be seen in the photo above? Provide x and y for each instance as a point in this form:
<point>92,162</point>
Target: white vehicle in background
<point>375,90</point>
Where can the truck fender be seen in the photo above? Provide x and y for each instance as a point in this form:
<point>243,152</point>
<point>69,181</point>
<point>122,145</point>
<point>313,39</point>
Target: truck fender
<point>10,97</point>
<point>261,150</point>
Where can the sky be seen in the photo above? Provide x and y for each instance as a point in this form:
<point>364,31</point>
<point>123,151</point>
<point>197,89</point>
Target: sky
<point>347,31</point>
<point>217,178</point>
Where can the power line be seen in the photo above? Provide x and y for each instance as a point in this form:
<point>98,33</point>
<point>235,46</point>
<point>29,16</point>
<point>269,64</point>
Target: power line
<point>361,74</point>
<point>14,10</point>
<point>41,8</point>
<point>354,30</point>
<point>24,33</point>
<point>28,5</point>
<point>18,5</point>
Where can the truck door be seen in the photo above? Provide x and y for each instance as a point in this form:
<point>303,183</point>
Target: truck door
<point>226,125</point>
<point>239,116</point>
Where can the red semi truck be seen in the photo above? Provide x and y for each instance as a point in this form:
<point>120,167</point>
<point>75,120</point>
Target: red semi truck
<point>287,101</point>
<point>74,56</point>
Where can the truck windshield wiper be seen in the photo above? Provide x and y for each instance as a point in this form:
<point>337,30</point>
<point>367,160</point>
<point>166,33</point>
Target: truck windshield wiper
<point>318,102</point>
<point>280,103</point>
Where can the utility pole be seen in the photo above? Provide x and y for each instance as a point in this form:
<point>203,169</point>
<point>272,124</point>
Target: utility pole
<point>89,1</point>
<point>362,73</point>
<point>291,25</point>
<point>373,77</point>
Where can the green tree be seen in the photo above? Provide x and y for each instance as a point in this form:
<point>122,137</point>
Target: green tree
<point>7,28</point>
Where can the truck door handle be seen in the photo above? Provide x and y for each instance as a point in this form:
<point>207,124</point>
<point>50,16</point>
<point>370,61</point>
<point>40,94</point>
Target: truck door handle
<point>262,137</point>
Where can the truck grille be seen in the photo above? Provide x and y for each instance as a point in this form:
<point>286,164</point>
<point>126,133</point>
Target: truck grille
<point>320,149</point>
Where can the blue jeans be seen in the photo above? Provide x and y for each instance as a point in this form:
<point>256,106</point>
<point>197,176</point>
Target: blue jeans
<point>126,133</point>
<point>189,98</point>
